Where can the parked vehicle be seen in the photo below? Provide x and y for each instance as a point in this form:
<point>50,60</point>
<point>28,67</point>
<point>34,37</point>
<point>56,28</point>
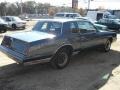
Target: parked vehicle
<point>14,22</point>
<point>54,40</point>
<point>101,27</point>
<point>3,26</point>
<point>67,15</point>
<point>110,23</point>
<point>97,15</point>
<point>98,26</point>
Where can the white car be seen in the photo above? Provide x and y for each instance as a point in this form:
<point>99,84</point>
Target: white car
<point>15,22</point>
<point>67,15</point>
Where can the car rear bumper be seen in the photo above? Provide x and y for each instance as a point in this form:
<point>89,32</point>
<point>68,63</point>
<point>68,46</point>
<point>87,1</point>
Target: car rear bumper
<point>22,59</point>
<point>19,58</point>
<point>21,25</point>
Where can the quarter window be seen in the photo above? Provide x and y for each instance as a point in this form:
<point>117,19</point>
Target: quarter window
<point>72,25</point>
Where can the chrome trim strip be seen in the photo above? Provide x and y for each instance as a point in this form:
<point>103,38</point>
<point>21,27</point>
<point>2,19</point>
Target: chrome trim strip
<point>37,61</point>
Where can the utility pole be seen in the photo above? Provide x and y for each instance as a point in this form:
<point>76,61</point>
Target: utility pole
<point>75,5</point>
<point>5,8</point>
<point>89,1</point>
<point>88,4</point>
<point>35,5</point>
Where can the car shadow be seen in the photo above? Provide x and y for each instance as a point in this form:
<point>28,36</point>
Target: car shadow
<point>88,70</point>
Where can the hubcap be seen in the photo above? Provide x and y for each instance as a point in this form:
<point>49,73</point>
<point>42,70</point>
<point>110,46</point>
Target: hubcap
<point>62,59</point>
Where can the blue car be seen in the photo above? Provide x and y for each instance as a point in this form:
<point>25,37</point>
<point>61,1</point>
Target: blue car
<point>54,41</point>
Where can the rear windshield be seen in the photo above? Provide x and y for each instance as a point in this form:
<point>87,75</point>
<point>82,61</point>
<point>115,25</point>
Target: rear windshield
<point>72,15</point>
<point>59,15</point>
<point>49,27</point>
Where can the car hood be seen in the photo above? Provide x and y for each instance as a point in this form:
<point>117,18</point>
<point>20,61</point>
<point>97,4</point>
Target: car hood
<point>32,36</point>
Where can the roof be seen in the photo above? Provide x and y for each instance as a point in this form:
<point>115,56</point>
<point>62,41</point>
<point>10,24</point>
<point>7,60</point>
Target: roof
<point>62,20</point>
<point>66,13</point>
<point>9,16</point>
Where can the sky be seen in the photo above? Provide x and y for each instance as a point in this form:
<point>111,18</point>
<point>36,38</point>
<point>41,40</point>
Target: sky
<point>107,4</point>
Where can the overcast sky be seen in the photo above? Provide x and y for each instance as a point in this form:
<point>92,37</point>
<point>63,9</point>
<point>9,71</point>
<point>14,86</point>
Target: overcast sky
<point>108,4</point>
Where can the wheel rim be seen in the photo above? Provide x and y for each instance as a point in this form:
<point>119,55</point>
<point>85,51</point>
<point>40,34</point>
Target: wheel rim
<point>14,26</point>
<point>107,45</point>
<point>62,59</point>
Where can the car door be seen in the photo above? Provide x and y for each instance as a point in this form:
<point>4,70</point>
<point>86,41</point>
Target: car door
<point>88,34</point>
<point>9,20</point>
<point>71,31</point>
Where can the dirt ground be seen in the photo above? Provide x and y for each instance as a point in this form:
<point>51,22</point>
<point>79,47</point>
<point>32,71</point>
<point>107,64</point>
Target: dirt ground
<point>88,70</point>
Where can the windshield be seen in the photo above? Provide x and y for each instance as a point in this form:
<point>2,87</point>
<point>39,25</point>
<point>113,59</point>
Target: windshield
<point>49,27</point>
<point>16,19</point>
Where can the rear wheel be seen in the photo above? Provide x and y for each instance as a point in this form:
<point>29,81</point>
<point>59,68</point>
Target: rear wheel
<point>61,59</point>
<point>14,26</point>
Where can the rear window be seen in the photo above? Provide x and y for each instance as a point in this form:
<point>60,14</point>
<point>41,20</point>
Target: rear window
<point>49,27</point>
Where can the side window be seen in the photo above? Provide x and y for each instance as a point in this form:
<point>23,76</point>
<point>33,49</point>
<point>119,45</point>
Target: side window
<point>74,27</point>
<point>44,26</point>
<point>86,27</point>
<point>13,19</point>
<point>56,27</point>
<point>8,19</point>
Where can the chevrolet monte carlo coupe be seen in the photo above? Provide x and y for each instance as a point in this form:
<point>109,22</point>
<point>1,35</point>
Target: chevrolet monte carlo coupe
<point>54,41</point>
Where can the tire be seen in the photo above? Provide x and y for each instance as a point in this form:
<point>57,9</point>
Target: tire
<point>24,28</point>
<point>3,31</point>
<point>61,59</point>
<point>14,26</point>
<point>107,46</point>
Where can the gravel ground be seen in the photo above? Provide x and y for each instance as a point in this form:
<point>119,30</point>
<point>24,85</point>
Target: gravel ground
<point>88,70</point>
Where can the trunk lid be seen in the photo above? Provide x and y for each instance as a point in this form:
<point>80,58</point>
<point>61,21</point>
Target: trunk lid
<point>32,36</point>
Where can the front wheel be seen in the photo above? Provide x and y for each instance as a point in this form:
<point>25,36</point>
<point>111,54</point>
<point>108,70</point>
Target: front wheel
<point>107,46</point>
<point>61,59</point>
